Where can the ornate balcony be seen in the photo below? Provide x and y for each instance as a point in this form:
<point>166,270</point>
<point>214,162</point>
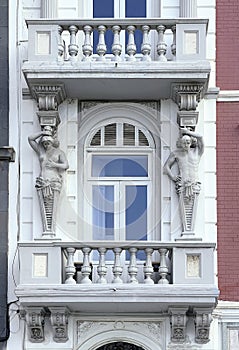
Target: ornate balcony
<point>144,57</point>
<point>104,276</point>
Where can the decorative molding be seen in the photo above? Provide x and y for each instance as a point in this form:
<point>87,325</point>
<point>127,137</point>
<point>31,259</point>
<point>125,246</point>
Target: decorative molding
<point>178,321</point>
<point>7,153</point>
<point>228,96</point>
<point>59,322</point>
<point>35,318</point>
<point>203,319</point>
<point>48,96</point>
<point>187,95</point>
<point>86,329</point>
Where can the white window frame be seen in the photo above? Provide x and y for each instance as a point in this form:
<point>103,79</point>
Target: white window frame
<point>89,180</point>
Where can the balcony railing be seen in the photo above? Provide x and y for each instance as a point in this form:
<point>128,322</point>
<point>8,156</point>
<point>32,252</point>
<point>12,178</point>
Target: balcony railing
<point>116,262</point>
<point>186,40</point>
<point>144,57</point>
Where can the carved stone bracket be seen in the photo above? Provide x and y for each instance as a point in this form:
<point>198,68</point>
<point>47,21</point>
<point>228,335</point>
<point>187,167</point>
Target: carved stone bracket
<point>178,323</point>
<point>48,97</point>
<point>187,96</point>
<point>59,322</point>
<point>203,319</point>
<point>35,318</point>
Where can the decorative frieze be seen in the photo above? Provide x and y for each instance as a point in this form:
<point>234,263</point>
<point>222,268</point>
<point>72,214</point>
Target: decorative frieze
<point>59,322</point>
<point>178,321</point>
<point>203,319</point>
<point>35,318</point>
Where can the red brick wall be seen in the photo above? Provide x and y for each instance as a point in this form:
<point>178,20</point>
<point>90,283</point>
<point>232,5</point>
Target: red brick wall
<point>227,70</point>
<point>228,199</point>
<point>227,41</point>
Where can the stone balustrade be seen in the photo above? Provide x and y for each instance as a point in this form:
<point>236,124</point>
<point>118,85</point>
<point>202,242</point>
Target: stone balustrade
<point>157,39</point>
<point>118,263</point>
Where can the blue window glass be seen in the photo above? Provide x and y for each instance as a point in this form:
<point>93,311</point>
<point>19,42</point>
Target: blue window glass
<point>103,9</point>
<point>136,212</point>
<point>136,216</point>
<point>103,212</point>
<point>119,166</point>
<point>136,8</point>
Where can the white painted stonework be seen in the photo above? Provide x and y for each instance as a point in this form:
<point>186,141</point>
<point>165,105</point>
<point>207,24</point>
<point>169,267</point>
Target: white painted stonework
<point>65,284</point>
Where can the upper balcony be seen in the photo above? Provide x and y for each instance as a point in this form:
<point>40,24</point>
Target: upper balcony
<point>128,59</point>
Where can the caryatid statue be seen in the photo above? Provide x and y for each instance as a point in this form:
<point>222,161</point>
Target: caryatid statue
<point>189,150</point>
<point>53,164</point>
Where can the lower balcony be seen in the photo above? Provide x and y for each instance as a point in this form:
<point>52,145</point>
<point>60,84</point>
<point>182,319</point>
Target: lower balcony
<point>118,277</point>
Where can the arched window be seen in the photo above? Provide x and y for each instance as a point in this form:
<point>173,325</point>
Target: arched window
<point>120,346</point>
<point>118,181</point>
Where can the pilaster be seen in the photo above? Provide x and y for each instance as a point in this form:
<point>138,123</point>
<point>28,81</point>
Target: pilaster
<point>49,8</point>
<point>188,8</point>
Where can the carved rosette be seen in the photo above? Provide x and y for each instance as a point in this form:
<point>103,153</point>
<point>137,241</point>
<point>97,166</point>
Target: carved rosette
<point>35,318</point>
<point>59,322</point>
<point>178,321</point>
<point>203,319</point>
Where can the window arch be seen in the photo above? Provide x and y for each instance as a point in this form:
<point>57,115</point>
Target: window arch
<point>120,346</point>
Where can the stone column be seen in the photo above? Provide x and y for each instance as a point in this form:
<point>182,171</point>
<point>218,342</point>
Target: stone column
<point>188,8</point>
<point>49,8</point>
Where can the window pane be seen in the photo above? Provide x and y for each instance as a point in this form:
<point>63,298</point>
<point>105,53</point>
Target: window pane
<point>103,9</point>
<point>136,216</point>
<point>136,213</point>
<point>103,212</point>
<point>119,166</point>
<point>110,135</point>
<point>129,135</point>
<point>136,8</point>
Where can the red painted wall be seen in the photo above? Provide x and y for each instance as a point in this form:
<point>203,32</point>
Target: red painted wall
<point>227,70</point>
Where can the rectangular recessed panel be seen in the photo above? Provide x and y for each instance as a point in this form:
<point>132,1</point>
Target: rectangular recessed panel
<point>40,265</point>
<point>193,265</point>
<point>190,43</point>
<point>43,43</point>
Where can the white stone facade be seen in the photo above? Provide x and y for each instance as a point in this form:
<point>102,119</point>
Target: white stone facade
<point>94,315</point>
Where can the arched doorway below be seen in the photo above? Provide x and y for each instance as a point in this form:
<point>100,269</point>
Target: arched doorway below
<point>120,346</point>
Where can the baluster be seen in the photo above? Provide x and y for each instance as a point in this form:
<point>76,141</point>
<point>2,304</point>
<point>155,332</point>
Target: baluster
<point>161,46</point>
<point>87,48</point>
<point>148,268</point>
<point>117,268</point>
<point>116,46</point>
<point>70,267</point>
<point>60,44</point>
<point>146,47</point>
<point>173,46</point>
<point>101,268</point>
<point>86,269</point>
<point>101,47</point>
<point>163,269</point>
<point>133,269</point>
<point>131,47</point>
<point>73,47</point>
